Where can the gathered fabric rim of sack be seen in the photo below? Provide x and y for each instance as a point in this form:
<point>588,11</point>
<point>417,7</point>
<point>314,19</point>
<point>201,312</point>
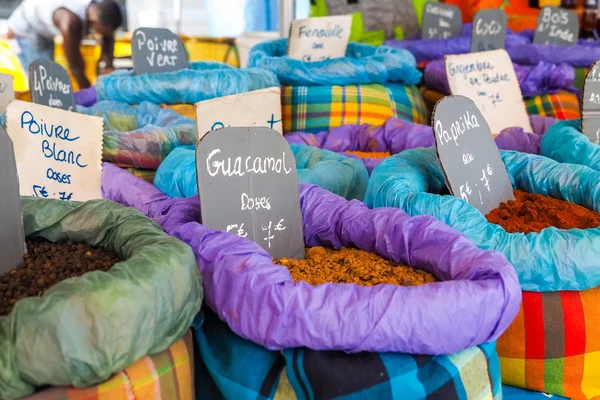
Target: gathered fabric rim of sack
<point>567,144</point>
<point>544,261</point>
<point>203,80</point>
<point>396,135</point>
<point>363,64</point>
<point>262,303</point>
<point>86,356</point>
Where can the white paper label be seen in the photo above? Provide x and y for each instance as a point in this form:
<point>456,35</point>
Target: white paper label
<point>256,108</point>
<point>58,153</point>
<point>7,91</point>
<point>318,39</point>
<point>488,78</point>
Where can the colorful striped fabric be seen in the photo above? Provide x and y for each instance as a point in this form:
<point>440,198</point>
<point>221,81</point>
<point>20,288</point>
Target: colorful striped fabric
<point>237,368</point>
<point>145,174</point>
<point>167,375</point>
<point>320,108</point>
<point>561,105</point>
<point>553,345</point>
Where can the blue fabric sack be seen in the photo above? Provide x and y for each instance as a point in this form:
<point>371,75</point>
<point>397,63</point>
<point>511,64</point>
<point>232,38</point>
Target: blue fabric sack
<point>565,143</point>
<point>551,260</point>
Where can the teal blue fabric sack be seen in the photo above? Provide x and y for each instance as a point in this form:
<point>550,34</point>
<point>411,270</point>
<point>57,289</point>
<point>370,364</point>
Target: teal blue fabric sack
<point>344,176</point>
<point>551,260</point>
<point>565,143</point>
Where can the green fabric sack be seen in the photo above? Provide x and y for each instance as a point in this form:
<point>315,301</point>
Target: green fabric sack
<point>85,329</point>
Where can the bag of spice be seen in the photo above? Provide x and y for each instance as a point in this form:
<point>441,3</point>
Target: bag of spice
<point>372,144</point>
<point>473,300</point>
<point>547,88</point>
<point>140,137</point>
<point>74,316</point>
<point>202,81</point>
<point>371,84</point>
<point>551,345</point>
<point>339,174</point>
<point>566,144</point>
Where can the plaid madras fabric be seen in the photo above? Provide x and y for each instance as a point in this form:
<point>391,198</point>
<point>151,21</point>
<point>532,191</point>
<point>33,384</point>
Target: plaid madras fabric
<point>553,345</point>
<point>241,369</point>
<point>320,108</point>
<point>145,174</point>
<point>561,105</point>
<point>187,110</point>
<point>166,375</point>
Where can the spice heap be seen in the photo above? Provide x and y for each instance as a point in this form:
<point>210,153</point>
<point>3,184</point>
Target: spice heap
<point>47,264</point>
<point>352,266</point>
<point>369,154</point>
<point>534,212</point>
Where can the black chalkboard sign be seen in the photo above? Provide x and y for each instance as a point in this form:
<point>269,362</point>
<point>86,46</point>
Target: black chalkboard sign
<point>12,238</point>
<point>556,26</point>
<point>50,85</point>
<point>488,30</point>
<point>590,106</point>
<point>157,50</point>
<point>468,154</point>
<point>248,185</point>
<point>441,21</point>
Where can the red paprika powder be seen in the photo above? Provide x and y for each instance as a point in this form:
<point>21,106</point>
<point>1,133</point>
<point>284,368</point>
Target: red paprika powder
<point>534,212</point>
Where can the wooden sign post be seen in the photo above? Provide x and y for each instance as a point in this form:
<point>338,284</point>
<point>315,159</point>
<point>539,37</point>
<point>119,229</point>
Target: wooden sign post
<point>157,50</point>
<point>50,85</point>
<point>256,108</point>
<point>489,79</point>
<point>468,154</point>
<point>58,153</point>
<point>12,238</point>
<point>556,26</point>
<point>248,185</point>
<point>590,106</point>
<point>489,30</point>
<point>318,39</point>
<point>441,21</point>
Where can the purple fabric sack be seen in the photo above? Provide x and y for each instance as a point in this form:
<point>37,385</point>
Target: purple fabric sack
<point>395,136</point>
<point>476,300</point>
<point>533,79</point>
<point>86,97</point>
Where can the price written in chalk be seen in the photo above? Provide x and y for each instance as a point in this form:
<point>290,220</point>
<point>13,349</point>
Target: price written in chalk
<point>441,21</point>
<point>556,26</point>
<point>248,186</point>
<point>319,39</point>
<point>156,50</point>
<point>590,107</point>
<point>489,30</point>
<point>468,154</point>
<point>58,153</point>
<point>51,85</point>
<point>256,108</point>
<point>489,79</point>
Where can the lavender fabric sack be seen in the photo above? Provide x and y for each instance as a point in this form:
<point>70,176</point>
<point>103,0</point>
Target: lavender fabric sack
<point>476,300</point>
<point>395,136</point>
<point>544,77</point>
<point>86,97</point>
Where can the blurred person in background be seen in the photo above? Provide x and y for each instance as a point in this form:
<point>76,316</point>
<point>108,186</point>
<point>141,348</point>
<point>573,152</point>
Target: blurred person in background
<point>35,23</point>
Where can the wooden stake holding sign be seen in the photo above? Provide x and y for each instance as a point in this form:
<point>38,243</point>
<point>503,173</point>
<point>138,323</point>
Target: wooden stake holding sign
<point>248,185</point>
<point>157,50</point>
<point>590,106</point>
<point>556,26</point>
<point>488,30</point>
<point>318,39</point>
<point>50,85</point>
<point>58,153</point>
<point>12,237</point>
<point>256,108</point>
<point>7,91</point>
<point>441,21</point>
<point>489,79</point>
<point>468,154</point>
